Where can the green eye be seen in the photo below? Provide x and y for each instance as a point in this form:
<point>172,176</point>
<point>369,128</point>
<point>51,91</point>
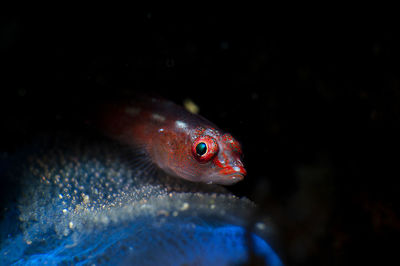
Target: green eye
<point>201,148</point>
<point>204,148</point>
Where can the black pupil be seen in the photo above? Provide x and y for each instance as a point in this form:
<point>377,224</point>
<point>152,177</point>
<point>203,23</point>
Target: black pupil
<point>201,149</point>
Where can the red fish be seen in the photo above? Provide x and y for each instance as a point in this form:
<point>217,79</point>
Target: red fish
<point>180,143</point>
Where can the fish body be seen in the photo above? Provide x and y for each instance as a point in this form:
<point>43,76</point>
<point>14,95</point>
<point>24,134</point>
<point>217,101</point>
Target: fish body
<point>182,144</point>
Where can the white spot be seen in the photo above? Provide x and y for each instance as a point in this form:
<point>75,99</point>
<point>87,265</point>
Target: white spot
<point>158,117</point>
<point>185,206</point>
<point>71,225</point>
<point>236,168</point>
<point>180,124</point>
<point>261,226</point>
<point>132,111</point>
<point>85,199</point>
<point>64,210</point>
<point>161,130</point>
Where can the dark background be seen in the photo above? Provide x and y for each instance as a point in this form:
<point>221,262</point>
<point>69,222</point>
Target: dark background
<point>315,104</point>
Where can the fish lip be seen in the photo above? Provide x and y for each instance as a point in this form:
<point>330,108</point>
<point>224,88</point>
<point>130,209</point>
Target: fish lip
<point>231,179</point>
<point>226,179</point>
<point>240,170</point>
<point>236,176</point>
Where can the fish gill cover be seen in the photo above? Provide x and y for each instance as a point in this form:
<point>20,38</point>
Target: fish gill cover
<point>80,202</point>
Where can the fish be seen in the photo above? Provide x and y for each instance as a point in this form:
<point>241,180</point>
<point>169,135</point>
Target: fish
<point>180,143</point>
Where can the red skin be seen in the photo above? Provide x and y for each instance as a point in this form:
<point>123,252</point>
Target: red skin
<point>167,133</point>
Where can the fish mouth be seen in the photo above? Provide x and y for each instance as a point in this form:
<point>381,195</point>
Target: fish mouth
<point>228,176</point>
<point>236,177</point>
<point>233,171</point>
<point>228,179</point>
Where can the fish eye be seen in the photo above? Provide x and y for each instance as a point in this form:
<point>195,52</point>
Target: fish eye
<point>204,148</point>
<point>201,149</point>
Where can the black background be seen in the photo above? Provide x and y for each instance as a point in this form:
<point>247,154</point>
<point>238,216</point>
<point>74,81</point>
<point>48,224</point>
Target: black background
<point>315,104</point>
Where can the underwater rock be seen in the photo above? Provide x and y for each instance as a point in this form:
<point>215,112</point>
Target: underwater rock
<point>78,201</point>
